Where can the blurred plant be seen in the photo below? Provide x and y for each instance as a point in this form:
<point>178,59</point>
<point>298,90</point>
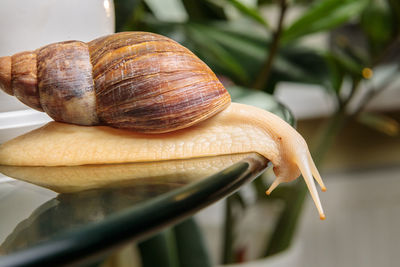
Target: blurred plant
<point>238,40</point>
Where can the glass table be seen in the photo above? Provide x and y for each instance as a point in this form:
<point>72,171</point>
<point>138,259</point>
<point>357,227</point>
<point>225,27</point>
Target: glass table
<point>84,224</point>
<point>74,226</point>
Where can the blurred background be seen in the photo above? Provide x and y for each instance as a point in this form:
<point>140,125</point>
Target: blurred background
<point>335,65</point>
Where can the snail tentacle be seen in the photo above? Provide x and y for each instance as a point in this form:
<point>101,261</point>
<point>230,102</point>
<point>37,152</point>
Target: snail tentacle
<point>305,167</point>
<point>315,173</point>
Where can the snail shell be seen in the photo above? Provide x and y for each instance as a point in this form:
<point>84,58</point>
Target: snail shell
<point>139,81</point>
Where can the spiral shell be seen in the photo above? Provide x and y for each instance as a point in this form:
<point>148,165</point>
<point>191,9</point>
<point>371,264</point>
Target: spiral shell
<point>139,81</point>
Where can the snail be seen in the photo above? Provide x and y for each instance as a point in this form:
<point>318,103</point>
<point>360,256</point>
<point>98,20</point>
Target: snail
<point>140,97</point>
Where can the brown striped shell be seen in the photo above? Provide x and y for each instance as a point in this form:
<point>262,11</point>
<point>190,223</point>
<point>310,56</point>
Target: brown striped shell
<point>134,80</point>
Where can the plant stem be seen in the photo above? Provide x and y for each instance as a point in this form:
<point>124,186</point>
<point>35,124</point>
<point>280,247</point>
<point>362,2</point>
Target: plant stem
<point>373,92</point>
<point>343,103</point>
<point>192,250</point>
<point>234,203</point>
<point>387,51</point>
<point>227,256</point>
<point>262,79</point>
<point>328,135</point>
<point>164,246</point>
<point>285,226</point>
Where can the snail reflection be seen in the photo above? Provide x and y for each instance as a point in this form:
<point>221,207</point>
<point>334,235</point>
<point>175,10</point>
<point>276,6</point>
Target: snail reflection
<point>67,179</point>
<point>91,193</point>
<point>71,210</point>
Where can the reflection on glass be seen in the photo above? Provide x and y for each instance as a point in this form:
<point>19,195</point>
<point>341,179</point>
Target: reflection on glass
<point>67,179</point>
<point>92,193</point>
<point>68,211</point>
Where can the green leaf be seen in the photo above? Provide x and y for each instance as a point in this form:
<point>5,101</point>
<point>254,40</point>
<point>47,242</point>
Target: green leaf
<point>323,15</point>
<point>394,7</point>
<point>178,246</point>
<point>167,11</point>
<point>234,41</point>
<point>293,63</point>
<point>232,51</point>
<point>215,55</point>
<point>347,64</point>
<point>265,2</point>
<point>249,12</point>
<point>301,64</point>
<point>378,25</point>
<point>247,49</point>
<point>164,246</point>
<point>202,10</point>
<point>286,225</point>
<point>124,11</point>
<point>172,29</point>
<point>191,246</point>
<point>336,73</point>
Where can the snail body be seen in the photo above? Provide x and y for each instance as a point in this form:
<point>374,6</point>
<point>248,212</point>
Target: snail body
<point>161,101</point>
<point>237,129</point>
<point>139,81</point>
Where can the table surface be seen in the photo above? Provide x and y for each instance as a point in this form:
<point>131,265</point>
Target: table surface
<point>41,227</point>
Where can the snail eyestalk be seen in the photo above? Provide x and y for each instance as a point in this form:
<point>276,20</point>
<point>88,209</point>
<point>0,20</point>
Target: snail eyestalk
<point>304,165</point>
<point>309,172</point>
